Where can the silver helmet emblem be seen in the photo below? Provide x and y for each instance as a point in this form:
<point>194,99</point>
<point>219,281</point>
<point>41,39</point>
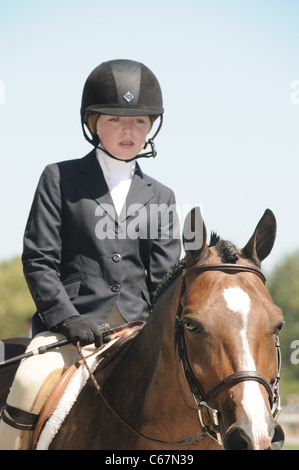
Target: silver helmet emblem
<point>128,96</point>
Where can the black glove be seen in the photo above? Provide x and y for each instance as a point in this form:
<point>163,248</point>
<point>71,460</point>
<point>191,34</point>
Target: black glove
<point>83,330</point>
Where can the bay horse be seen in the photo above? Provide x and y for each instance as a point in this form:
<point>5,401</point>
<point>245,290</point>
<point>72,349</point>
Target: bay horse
<point>203,372</point>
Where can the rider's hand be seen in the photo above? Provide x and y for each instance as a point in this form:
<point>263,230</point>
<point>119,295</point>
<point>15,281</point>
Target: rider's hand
<point>83,330</point>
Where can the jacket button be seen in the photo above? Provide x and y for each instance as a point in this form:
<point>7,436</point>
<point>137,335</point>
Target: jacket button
<point>116,258</point>
<point>117,228</point>
<point>115,288</point>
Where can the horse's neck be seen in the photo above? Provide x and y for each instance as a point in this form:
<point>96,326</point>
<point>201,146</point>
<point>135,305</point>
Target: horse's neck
<point>146,355</point>
<point>149,377</point>
<point>153,354</point>
<point>160,328</point>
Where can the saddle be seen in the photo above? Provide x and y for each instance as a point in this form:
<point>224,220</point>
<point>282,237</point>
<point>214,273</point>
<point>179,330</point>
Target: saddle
<point>119,337</point>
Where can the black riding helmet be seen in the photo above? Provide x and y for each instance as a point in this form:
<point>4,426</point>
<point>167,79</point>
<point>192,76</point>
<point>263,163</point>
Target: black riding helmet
<point>121,88</point>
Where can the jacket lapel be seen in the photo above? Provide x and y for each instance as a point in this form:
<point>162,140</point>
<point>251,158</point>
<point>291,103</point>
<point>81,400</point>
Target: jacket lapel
<point>140,194</point>
<point>92,178</point>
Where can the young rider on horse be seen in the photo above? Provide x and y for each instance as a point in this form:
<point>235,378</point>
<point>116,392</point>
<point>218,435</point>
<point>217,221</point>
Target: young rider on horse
<point>95,245</point>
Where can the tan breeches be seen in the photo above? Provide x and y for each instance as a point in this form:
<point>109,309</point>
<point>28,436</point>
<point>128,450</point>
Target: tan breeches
<point>35,379</point>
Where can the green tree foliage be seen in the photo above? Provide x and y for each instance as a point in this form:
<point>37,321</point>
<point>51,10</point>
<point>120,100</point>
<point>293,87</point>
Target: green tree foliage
<point>283,286</point>
<point>16,304</point>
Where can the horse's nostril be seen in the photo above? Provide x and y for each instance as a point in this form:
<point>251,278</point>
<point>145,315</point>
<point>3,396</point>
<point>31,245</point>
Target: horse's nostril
<point>237,439</point>
<point>240,438</point>
<point>278,438</point>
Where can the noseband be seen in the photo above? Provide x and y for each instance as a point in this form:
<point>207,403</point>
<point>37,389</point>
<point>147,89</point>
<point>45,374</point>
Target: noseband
<point>203,400</point>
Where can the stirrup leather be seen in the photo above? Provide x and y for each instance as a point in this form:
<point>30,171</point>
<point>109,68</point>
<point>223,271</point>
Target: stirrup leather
<point>18,419</point>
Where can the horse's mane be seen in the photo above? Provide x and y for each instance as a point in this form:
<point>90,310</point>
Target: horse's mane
<point>168,278</point>
<point>225,249</point>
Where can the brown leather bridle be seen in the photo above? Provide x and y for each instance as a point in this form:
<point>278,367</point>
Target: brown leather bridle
<point>203,400</point>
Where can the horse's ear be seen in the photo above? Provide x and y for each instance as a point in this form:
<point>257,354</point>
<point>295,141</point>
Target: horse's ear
<point>195,235</point>
<point>263,238</point>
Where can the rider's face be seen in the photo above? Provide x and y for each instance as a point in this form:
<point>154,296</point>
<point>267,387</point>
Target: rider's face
<point>123,136</point>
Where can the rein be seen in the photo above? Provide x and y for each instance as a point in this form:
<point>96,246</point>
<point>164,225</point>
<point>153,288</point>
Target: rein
<point>202,400</point>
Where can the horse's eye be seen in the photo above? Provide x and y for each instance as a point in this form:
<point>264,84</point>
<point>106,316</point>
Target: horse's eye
<point>279,327</point>
<point>190,326</point>
<point>194,327</point>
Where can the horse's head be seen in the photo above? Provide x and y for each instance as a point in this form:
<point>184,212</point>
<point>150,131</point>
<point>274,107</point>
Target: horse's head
<point>227,335</point>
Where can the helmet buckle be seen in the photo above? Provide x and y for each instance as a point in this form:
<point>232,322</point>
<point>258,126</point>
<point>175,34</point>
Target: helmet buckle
<point>152,144</point>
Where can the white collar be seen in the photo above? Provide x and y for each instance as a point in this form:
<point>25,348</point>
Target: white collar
<point>115,170</point>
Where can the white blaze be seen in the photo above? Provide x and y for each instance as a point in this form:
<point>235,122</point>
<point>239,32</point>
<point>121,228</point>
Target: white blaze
<point>253,403</point>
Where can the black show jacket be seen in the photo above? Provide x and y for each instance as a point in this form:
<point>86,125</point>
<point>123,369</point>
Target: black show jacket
<point>81,259</point>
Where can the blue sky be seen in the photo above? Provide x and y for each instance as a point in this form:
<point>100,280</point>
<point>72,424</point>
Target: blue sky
<point>230,139</point>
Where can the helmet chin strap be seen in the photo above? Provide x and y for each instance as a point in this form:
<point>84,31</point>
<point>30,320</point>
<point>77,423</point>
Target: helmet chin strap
<point>152,153</point>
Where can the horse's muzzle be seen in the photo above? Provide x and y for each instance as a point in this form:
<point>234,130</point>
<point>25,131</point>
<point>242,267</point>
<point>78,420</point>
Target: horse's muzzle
<point>240,438</point>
